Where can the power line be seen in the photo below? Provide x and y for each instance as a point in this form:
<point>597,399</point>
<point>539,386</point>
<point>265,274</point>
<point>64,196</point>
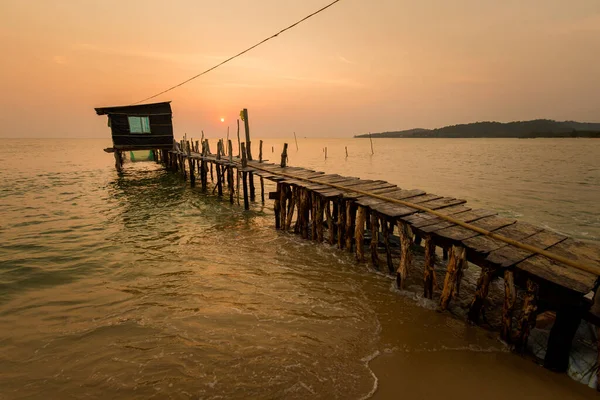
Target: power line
<point>241,53</point>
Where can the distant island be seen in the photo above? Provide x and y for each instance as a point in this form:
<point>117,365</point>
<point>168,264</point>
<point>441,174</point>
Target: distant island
<point>539,128</point>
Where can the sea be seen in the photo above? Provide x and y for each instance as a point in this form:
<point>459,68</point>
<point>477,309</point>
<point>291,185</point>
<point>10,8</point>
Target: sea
<point>137,286</point>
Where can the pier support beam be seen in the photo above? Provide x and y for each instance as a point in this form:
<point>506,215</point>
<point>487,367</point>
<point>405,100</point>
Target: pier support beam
<point>359,233</point>
<point>330,223</point>
<point>510,298</point>
<point>530,305</point>
<point>387,228</point>
<point>429,273</point>
<point>457,262</point>
<point>341,223</point>
<point>374,239</point>
<point>405,234</point>
<point>483,287</point>
<point>350,224</point>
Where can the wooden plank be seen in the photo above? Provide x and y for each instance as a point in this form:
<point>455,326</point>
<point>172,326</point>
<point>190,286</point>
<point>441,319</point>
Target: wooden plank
<point>517,231</point>
<point>423,198</point>
<point>468,216</point>
<point>510,255</point>
<point>458,233</point>
<point>561,274</point>
<point>441,203</point>
<point>423,218</point>
<point>393,210</point>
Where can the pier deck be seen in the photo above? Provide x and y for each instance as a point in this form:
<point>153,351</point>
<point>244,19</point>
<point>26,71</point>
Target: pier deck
<point>554,272</point>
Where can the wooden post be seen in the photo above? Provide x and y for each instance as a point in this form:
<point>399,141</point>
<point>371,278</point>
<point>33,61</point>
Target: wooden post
<point>239,143</point>
<point>346,151</point>
<point>350,223</point>
<point>326,152</point>
<point>247,129</point>
<point>483,287</point>
<point>371,140</point>
<point>284,156</point>
<point>305,210</point>
<point>457,262</point>
<point>203,168</point>
<point>283,195</point>
<point>341,222</point>
<point>359,233</point>
<point>296,139</point>
<point>277,206</point>
<point>118,161</point>
<point>429,273</point>
<point>319,216</point>
<point>252,189</point>
<point>219,170</point>
<point>529,315</point>
<point>191,164</point>
<point>563,332</point>
<point>405,235</point>
<point>245,177</point>
<point>385,230</point>
<point>510,298</point>
<point>374,239</point>
<point>260,143</point>
<point>330,224</point>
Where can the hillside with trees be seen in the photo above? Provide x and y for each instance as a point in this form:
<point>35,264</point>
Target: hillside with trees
<point>539,128</point>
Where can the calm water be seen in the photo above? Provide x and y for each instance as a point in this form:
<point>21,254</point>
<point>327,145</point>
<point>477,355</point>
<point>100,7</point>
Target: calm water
<point>137,286</point>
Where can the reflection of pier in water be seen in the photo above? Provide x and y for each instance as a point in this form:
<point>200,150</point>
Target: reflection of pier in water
<point>542,270</point>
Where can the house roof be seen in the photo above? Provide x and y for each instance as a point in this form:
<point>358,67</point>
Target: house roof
<point>163,108</point>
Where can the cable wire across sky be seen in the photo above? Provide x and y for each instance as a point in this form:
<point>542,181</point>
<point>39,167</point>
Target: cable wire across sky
<point>242,52</point>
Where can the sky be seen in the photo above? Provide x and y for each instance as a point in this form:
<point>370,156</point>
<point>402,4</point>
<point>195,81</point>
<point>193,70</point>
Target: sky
<point>360,66</point>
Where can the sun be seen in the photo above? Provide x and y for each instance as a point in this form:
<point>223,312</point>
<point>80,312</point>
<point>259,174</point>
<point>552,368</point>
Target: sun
<point>222,119</point>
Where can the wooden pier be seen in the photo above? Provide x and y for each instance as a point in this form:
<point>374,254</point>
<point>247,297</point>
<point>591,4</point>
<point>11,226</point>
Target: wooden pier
<point>386,224</point>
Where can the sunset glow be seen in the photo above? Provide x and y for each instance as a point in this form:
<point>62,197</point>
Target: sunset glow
<point>357,67</point>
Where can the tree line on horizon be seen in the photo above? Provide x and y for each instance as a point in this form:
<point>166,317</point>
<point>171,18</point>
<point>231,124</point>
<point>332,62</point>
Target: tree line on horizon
<point>539,128</point>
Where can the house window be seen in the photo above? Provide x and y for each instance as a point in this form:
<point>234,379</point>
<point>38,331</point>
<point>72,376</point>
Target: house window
<point>139,124</point>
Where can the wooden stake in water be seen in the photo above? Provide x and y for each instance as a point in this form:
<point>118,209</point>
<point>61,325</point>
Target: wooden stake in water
<point>239,143</point>
<point>296,139</point>
<point>326,153</point>
<point>346,151</point>
<point>371,139</point>
<point>227,135</point>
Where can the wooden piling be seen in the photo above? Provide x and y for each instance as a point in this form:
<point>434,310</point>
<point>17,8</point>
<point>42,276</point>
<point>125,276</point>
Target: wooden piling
<point>283,196</point>
<point>386,231</point>
<point>284,156</point>
<point>528,317</point>
<point>319,216</point>
<point>341,223</point>
<point>247,130</point>
<point>359,233</point>
<point>483,287</point>
<point>374,239</point>
<point>405,235</point>
<point>429,273</point>
<point>350,223</point>
<point>245,177</point>
<point>290,210</point>
<point>296,140</point>
<point>510,298</point>
<point>456,263</point>
<point>330,223</point>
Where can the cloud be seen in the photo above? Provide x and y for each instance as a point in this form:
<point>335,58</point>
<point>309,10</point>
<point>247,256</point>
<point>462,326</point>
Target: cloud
<point>189,60</point>
<point>325,82</point>
<point>345,60</point>
<point>59,60</point>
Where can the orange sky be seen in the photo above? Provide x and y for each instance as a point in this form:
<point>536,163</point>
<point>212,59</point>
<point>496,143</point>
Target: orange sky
<point>363,65</point>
